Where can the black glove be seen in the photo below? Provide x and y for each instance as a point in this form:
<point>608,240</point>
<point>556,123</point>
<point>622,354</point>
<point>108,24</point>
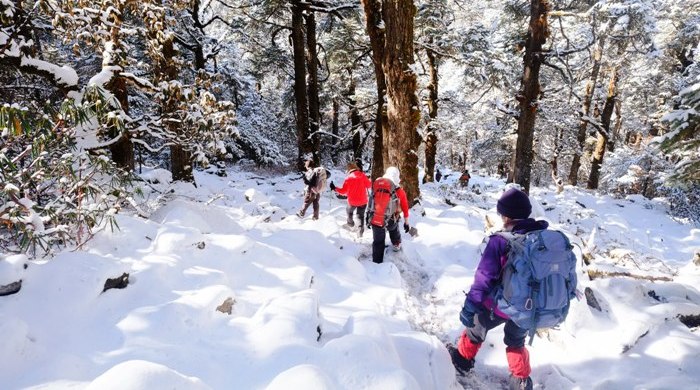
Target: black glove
<point>406,228</point>
<point>332,186</point>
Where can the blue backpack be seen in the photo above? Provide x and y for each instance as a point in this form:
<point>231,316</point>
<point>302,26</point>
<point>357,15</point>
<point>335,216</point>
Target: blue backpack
<point>538,280</point>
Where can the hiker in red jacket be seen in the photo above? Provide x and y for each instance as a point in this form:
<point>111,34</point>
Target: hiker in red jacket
<point>355,188</point>
<point>381,222</point>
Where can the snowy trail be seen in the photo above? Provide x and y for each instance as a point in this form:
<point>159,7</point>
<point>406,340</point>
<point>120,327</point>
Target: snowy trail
<point>423,315</point>
<point>418,288</point>
<point>418,285</point>
<point>358,324</point>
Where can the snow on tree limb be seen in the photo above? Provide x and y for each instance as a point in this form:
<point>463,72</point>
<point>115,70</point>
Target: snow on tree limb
<point>64,77</point>
<point>13,52</point>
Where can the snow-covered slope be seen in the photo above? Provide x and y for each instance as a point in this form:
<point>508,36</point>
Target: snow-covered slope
<point>309,310</point>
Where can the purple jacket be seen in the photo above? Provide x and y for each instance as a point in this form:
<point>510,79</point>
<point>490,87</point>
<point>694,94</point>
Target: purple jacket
<point>488,272</point>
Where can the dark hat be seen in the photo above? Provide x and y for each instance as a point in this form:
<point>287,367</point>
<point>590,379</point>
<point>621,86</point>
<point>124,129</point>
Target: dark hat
<point>514,204</point>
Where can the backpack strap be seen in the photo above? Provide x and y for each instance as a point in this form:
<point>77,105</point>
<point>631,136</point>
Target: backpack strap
<point>540,241</point>
<point>514,240</point>
<point>566,239</point>
<point>517,243</point>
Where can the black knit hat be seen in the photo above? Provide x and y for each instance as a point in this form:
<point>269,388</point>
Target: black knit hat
<point>514,204</point>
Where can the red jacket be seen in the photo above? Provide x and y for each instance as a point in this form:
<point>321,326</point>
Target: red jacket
<point>355,188</point>
<point>403,202</point>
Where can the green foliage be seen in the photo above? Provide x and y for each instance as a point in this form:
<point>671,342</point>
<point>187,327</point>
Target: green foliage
<point>683,142</point>
<point>52,194</point>
<point>683,203</point>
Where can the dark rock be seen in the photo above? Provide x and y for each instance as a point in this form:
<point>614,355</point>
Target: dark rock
<point>591,300</point>
<point>12,288</point>
<point>118,282</point>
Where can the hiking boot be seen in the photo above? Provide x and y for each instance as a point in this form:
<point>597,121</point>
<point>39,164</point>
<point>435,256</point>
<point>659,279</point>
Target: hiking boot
<point>315,217</point>
<point>300,214</point>
<point>515,383</point>
<point>462,364</point>
<point>350,223</point>
<point>396,247</point>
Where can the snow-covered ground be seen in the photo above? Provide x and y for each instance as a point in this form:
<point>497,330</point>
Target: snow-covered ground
<point>310,311</point>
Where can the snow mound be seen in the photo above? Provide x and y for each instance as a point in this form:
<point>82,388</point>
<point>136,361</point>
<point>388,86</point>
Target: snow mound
<point>144,375</point>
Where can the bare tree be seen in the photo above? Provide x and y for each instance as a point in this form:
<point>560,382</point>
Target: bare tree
<point>530,92</point>
<point>604,130</point>
<point>586,105</point>
<point>431,138</point>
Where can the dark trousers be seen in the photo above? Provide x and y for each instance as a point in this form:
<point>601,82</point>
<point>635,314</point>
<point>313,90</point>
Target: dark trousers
<point>310,198</point>
<point>359,210</point>
<point>514,336</point>
<point>379,235</point>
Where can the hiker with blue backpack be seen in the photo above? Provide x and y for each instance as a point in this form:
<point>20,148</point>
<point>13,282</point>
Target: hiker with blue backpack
<point>386,203</point>
<point>525,279</point>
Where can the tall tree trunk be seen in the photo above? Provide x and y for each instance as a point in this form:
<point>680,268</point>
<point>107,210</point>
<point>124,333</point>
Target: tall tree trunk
<point>604,133</point>
<point>373,15</point>
<point>123,149</point>
<point>304,141</point>
<point>401,136</point>
<point>335,130</point>
<point>618,126</point>
<point>180,158</point>
<point>165,71</point>
<point>355,120</point>
<point>431,138</point>
<point>312,65</point>
<point>586,108</point>
<point>530,91</point>
<point>196,46</point>
<point>554,163</point>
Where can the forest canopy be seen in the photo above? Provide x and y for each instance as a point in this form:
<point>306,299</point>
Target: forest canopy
<point>598,94</point>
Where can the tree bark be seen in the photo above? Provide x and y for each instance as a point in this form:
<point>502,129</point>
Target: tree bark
<point>335,130</point>
<point>554,163</point>
<point>373,15</point>
<point>618,126</point>
<point>304,142</point>
<point>123,149</point>
<point>431,138</point>
<point>166,70</point>
<point>529,92</point>
<point>401,137</point>
<point>604,133</point>
<point>180,158</point>
<point>586,109</point>
<point>200,61</point>
<point>355,121</point>
<point>312,65</point>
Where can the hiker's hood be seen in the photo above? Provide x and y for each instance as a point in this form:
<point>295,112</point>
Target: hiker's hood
<point>392,173</point>
<point>528,225</point>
